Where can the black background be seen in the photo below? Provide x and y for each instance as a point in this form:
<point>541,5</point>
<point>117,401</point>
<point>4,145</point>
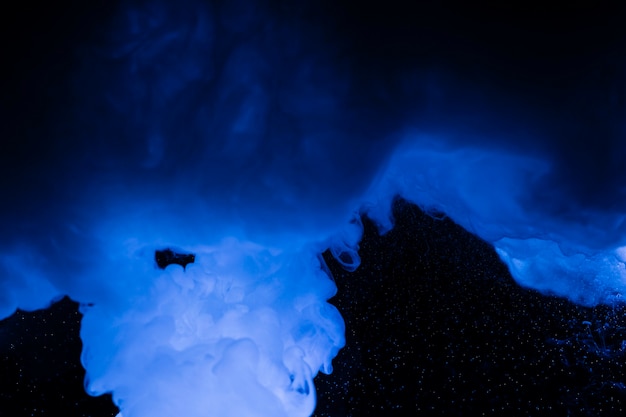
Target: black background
<point>435,324</point>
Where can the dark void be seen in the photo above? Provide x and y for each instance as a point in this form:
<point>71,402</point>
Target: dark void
<point>167,257</point>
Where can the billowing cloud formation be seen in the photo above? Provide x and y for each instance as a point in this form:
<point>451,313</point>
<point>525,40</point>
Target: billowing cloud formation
<point>243,330</point>
<point>253,135</point>
<point>490,193</point>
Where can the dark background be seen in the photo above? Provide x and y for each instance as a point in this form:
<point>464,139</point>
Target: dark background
<point>435,324</point>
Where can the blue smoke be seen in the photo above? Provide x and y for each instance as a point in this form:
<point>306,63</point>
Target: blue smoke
<point>493,194</point>
<point>247,135</point>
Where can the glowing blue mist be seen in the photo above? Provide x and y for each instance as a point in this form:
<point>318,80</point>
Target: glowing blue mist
<point>243,330</point>
<point>216,133</point>
<point>237,132</point>
<point>499,196</point>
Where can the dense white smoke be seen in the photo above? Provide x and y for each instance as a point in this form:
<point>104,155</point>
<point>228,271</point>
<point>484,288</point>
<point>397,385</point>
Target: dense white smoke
<point>242,331</point>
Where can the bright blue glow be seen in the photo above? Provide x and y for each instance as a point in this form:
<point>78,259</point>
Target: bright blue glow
<point>243,330</point>
<point>239,136</point>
